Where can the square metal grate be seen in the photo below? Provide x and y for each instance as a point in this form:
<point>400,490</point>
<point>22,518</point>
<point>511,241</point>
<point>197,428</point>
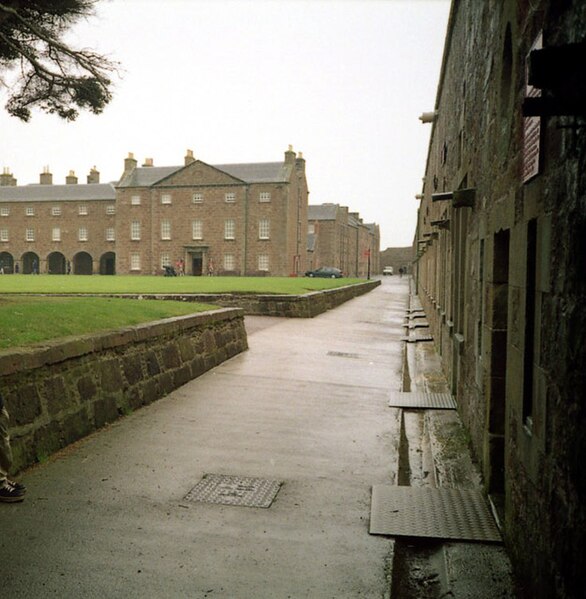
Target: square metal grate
<point>423,401</point>
<point>243,491</point>
<point>432,513</point>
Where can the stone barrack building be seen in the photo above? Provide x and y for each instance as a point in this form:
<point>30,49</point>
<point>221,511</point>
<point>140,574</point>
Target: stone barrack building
<point>232,219</point>
<point>501,263</point>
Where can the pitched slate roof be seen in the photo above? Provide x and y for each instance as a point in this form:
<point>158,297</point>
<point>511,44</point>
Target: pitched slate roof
<point>261,172</point>
<point>322,212</point>
<point>54,193</point>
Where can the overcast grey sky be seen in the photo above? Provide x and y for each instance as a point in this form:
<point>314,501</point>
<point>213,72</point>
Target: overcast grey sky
<point>343,81</point>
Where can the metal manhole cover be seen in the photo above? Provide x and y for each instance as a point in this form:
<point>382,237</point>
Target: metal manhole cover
<point>438,401</point>
<point>435,513</point>
<point>243,491</point>
<point>342,354</point>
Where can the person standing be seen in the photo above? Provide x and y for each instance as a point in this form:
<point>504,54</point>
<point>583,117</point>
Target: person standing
<point>10,491</point>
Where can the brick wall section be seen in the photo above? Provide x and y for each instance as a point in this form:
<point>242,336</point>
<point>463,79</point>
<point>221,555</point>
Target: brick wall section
<point>64,390</point>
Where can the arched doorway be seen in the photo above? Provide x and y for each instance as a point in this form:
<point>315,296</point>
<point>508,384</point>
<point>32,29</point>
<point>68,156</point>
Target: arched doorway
<point>108,264</point>
<point>56,263</point>
<point>82,264</point>
<point>30,263</point>
<point>6,263</point>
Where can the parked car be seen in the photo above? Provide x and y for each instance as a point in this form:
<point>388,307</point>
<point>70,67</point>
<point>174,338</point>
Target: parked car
<point>388,270</point>
<point>328,272</point>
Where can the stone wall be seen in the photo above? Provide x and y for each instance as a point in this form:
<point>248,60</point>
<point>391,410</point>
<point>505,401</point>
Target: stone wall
<point>63,390</point>
<point>291,306</point>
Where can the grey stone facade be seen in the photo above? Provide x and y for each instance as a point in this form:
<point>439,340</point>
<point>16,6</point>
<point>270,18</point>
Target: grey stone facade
<point>500,270</point>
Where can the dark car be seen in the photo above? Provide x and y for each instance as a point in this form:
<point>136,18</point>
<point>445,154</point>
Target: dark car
<point>328,272</point>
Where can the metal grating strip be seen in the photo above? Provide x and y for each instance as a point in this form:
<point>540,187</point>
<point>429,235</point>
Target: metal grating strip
<point>438,401</point>
<point>235,490</point>
<point>435,513</point>
<point>417,338</point>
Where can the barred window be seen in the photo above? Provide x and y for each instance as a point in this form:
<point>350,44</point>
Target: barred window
<point>3,234</point>
<point>229,262</point>
<point>82,210</point>
<point>265,196</point>
<point>197,229</point>
<point>29,211</point>
<point>229,228</point>
<point>30,234</point>
<point>82,234</point>
<point>111,209</point>
<point>165,259</point>
<point>135,230</point>
<point>135,200</point>
<point>110,234</point>
<point>166,198</point>
<point>165,229</point>
<point>197,198</point>
<point>230,197</point>
<point>4,211</point>
<point>56,211</point>
<point>264,228</point>
<point>56,234</point>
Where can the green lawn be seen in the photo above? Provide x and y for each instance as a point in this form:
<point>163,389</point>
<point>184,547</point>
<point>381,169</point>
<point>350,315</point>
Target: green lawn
<point>152,284</point>
<point>25,320</point>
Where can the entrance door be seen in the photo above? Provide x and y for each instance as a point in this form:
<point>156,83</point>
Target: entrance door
<point>197,265</point>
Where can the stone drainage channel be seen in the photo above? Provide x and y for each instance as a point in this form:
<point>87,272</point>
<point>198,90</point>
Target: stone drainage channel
<point>419,568</point>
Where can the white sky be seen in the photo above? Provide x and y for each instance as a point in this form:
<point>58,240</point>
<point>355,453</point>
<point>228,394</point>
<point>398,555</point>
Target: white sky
<point>343,81</point>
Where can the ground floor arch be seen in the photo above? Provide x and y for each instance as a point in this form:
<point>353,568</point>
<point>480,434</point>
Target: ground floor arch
<point>30,263</point>
<point>83,264</point>
<point>6,263</point>
<point>56,263</point>
<point>108,263</point>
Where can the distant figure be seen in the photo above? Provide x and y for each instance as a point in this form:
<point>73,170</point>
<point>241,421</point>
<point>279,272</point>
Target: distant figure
<point>10,491</point>
<point>35,267</point>
<point>16,268</point>
<point>180,267</point>
<point>68,267</point>
<point>1,267</point>
<point>401,271</point>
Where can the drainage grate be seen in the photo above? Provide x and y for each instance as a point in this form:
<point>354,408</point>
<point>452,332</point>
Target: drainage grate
<point>235,490</point>
<point>432,513</point>
<point>424,401</point>
<point>342,354</point>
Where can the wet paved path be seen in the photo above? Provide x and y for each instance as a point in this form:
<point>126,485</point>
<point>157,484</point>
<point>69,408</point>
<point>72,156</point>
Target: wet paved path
<point>306,405</point>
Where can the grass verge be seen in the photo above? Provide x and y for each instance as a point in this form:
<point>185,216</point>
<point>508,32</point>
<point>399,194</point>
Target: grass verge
<point>29,320</point>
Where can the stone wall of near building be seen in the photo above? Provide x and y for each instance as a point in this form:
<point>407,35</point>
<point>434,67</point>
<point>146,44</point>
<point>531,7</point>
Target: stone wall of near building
<point>500,272</point>
<point>64,390</point>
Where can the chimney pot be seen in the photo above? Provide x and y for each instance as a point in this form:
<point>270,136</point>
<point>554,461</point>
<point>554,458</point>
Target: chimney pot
<point>148,162</point>
<point>94,176</point>
<point>46,177</point>
<point>71,179</point>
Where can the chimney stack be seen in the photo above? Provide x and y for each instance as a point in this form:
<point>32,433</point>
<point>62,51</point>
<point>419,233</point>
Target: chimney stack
<point>300,162</point>
<point>129,164</point>
<point>71,179</point>
<point>148,162</point>
<point>46,178</point>
<point>189,157</point>
<point>94,176</point>
<point>290,155</point>
<point>6,178</point>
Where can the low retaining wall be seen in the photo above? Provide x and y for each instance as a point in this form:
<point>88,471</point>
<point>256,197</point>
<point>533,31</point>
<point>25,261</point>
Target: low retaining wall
<point>293,306</point>
<point>64,390</point>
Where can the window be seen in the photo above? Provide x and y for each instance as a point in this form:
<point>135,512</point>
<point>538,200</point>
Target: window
<point>82,210</point>
<point>110,235</point>
<point>110,209</point>
<point>229,262</point>
<point>165,260</point>
<point>30,235</point>
<point>229,228</point>
<point>135,261</point>
<point>165,229</point>
<point>265,196</point>
<point>4,211</point>
<point>135,200</point>
<point>230,197</point>
<point>82,234</point>
<point>166,198</point>
<point>3,234</point>
<point>30,211</point>
<point>197,229</point>
<point>56,211</point>
<point>263,262</point>
<point>135,230</point>
<point>197,198</point>
<point>56,234</point>
<point>263,228</point>
<point>311,228</point>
